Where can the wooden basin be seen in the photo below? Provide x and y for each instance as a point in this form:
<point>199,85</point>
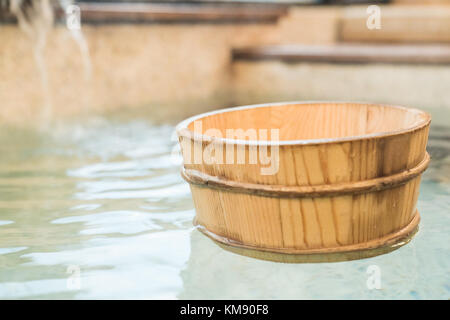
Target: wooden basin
<point>341,183</point>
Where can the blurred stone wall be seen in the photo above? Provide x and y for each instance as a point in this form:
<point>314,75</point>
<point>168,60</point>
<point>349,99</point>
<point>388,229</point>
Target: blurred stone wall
<point>176,70</point>
<point>173,69</point>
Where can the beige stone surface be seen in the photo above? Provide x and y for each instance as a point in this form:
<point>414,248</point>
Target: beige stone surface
<point>174,70</point>
<point>421,86</point>
<point>131,66</point>
<point>398,23</point>
<point>422,2</point>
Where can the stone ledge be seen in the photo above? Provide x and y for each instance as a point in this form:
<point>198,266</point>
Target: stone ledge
<point>116,12</point>
<point>348,53</point>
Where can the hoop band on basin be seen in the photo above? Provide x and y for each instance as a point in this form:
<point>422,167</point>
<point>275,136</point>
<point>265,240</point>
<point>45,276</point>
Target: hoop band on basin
<point>362,250</point>
<point>198,178</point>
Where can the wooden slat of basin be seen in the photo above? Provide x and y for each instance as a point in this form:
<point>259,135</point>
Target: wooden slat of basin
<point>393,242</point>
<point>348,53</point>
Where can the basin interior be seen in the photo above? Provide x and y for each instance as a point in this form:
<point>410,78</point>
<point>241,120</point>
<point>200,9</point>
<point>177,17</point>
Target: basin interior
<point>306,121</point>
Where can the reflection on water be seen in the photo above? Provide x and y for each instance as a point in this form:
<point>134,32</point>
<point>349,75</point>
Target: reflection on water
<point>106,197</point>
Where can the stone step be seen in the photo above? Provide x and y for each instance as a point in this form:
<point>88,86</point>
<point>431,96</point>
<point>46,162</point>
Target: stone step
<point>399,23</point>
<point>349,53</point>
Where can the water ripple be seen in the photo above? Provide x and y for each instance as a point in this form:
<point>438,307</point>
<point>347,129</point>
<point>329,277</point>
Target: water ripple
<point>105,196</point>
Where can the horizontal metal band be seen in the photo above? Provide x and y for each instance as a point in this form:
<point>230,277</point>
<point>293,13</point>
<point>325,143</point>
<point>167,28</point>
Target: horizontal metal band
<point>198,178</point>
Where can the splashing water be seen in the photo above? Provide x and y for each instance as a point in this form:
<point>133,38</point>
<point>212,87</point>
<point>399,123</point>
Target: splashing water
<point>35,18</point>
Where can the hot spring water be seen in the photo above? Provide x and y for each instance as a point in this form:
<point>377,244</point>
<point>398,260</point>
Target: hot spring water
<point>97,209</point>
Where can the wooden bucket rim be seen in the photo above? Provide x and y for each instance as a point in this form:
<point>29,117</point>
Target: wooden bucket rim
<point>183,131</point>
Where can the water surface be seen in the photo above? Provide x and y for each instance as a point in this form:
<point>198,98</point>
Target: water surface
<point>97,209</point>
